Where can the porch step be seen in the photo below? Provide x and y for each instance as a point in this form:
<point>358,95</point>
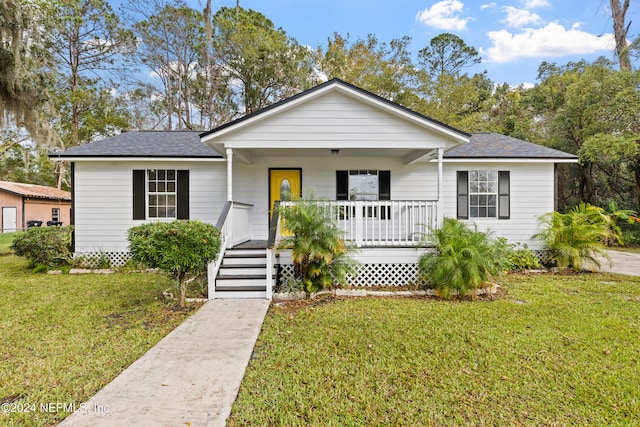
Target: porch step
<point>242,274</point>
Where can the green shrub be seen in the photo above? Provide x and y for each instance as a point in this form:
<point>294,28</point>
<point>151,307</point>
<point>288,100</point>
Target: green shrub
<point>182,249</point>
<point>520,257</point>
<point>576,238</point>
<point>47,246</point>
<point>320,255</point>
<point>466,259</point>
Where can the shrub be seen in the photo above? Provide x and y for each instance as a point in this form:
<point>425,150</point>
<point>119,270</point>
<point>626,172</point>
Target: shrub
<point>182,249</point>
<point>45,246</point>
<point>574,239</point>
<point>520,257</point>
<point>320,255</point>
<point>466,259</point>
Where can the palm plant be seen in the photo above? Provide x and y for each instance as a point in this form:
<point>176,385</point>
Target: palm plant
<point>320,255</point>
<point>575,239</point>
<point>466,259</point>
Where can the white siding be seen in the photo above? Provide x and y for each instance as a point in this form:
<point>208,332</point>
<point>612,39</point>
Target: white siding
<point>331,120</point>
<point>251,182</point>
<point>531,193</point>
<point>104,199</point>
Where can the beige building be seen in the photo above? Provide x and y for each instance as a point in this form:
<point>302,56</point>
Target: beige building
<point>21,203</point>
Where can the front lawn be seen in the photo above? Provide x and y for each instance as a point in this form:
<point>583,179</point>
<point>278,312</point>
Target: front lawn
<point>5,242</point>
<point>64,337</point>
<point>553,350</point>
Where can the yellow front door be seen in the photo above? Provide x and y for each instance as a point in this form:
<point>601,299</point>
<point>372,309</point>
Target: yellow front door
<point>283,185</point>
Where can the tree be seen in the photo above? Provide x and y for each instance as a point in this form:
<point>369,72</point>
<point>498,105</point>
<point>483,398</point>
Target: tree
<point>620,31</point>
<point>170,44</point>
<point>381,68</point>
<point>88,39</point>
<point>24,66</point>
<point>262,64</point>
<point>447,54</point>
<point>182,249</point>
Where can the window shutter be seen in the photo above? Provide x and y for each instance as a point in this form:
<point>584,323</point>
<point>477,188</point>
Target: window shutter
<point>342,185</point>
<point>183,195</point>
<point>504,205</point>
<point>463,194</point>
<point>384,182</point>
<point>139,194</point>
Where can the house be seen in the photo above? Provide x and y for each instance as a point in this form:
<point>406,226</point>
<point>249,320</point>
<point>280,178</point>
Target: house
<point>390,172</point>
<point>22,203</point>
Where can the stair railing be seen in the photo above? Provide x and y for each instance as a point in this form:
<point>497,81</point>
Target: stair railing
<point>224,226</point>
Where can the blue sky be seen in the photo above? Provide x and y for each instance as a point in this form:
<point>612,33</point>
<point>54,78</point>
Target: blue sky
<point>513,36</point>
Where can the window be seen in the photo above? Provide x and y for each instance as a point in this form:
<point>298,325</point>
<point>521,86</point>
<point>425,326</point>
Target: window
<point>483,194</point>
<point>363,185</point>
<point>55,214</point>
<point>160,193</point>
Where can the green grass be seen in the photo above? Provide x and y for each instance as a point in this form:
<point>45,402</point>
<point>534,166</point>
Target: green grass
<point>64,337</point>
<point>632,249</point>
<point>5,242</point>
<point>554,350</point>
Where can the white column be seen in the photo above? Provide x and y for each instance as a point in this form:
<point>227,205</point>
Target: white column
<point>440,206</point>
<point>229,174</point>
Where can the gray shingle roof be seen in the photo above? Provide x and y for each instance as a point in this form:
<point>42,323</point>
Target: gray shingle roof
<point>178,144</point>
<point>494,145</point>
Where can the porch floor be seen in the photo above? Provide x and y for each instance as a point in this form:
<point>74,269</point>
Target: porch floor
<point>262,244</point>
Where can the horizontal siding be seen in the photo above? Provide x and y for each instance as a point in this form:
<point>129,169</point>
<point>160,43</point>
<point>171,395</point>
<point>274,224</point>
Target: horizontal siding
<point>251,182</point>
<point>532,194</point>
<point>334,117</point>
<point>104,193</point>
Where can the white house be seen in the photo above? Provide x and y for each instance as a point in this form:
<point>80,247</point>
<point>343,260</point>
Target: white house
<point>391,170</point>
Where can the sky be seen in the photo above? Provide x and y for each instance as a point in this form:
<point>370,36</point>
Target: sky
<point>513,37</point>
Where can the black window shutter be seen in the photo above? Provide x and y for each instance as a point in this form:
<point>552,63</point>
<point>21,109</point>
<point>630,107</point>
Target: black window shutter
<point>139,194</point>
<point>342,185</point>
<point>504,205</point>
<point>183,194</point>
<point>463,194</point>
<point>384,190</point>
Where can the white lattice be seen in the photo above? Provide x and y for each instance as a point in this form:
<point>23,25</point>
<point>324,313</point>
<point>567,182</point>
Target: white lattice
<point>102,259</point>
<point>371,275</point>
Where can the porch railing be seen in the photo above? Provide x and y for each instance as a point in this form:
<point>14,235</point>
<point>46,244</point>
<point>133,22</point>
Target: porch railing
<point>381,222</point>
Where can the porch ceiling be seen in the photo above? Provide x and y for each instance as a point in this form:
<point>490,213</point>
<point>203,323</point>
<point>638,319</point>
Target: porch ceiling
<point>407,155</point>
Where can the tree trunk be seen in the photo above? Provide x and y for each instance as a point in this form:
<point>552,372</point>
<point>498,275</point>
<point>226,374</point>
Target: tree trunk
<point>618,13</point>
<point>182,290</point>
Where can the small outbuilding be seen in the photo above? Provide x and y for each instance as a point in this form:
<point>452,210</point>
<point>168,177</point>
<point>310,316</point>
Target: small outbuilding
<point>24,205</point>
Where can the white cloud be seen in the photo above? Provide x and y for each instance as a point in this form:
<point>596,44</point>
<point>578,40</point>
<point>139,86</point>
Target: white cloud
<point>553,40</point>
<point>488,6</point>
<point>444,15</point>
<point>530,4</point>
<point>518,18</point>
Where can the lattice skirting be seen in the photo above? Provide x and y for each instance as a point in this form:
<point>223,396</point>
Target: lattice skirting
<point>102,259</point>
<point>371,275</point>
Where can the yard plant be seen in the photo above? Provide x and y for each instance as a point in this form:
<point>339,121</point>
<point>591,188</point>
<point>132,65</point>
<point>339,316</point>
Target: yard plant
<point>575,239</point>
<point>65,336</point>
<point>553,350</point>
<point>45,246</point>
<point>465,258</point>
<point>181,248</point>
<point>320,255</point>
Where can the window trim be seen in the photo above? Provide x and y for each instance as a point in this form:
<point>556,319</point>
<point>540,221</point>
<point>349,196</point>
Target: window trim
<point>140,195</point>
<point>503,195</point>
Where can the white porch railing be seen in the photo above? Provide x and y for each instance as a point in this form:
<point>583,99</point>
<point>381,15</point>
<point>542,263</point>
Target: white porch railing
<point>382,222</point>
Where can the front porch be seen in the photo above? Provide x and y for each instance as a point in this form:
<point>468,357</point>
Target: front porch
<point>389,235</point>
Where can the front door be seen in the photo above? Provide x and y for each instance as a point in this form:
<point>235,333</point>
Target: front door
<point>283,185</point>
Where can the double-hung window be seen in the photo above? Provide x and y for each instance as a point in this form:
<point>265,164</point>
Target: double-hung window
<point>483,194</point>
<point>160,194</point>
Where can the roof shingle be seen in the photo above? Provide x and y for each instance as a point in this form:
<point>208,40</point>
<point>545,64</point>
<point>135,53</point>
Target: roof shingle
<point>491,145</point>
<point>177,144</point>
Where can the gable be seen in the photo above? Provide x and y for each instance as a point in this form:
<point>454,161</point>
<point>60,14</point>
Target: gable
<point>336,116</point>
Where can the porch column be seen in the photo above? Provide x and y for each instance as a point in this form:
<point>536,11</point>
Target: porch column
<point>440,206</point>
<point>229,174</point>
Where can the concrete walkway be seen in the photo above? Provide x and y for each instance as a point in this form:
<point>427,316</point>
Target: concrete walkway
<point>190,378</point>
